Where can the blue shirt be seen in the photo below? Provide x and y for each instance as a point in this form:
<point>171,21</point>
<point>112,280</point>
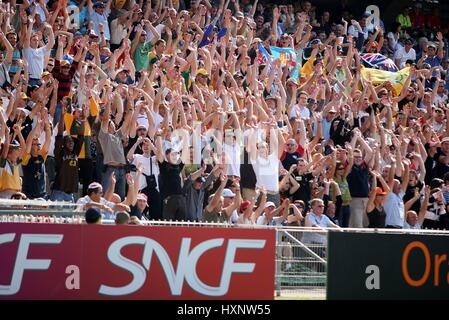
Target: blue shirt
<point>394,209</point>
<point>321,221</point>
<point>100,18</point>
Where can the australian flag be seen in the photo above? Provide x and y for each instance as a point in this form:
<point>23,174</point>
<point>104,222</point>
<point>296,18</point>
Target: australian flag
<point>378,61</point>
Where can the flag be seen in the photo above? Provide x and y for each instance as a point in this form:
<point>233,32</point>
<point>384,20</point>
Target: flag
<point>376,76</point>
<point>287,56</point>
<point>263,56</point>
<point>307,68</point>
<point>378,61</point>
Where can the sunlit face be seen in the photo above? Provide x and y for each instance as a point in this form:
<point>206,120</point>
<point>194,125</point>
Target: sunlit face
<point>160,48</point>
<point>412,218</point>
<point>291,145</point>
<point>173,157</point>
<point>318,207</point>
<point>262,149</point>
<point>34,41</point>
<point>303,99</point>
<point>35,146</point>
<point>358,159</point>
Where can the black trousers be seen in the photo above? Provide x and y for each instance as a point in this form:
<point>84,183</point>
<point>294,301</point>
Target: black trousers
<point>154,203</point>
<point>175,208</point>
<point>86,170</point>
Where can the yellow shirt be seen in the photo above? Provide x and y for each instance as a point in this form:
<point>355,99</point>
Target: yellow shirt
<point>9,176</point>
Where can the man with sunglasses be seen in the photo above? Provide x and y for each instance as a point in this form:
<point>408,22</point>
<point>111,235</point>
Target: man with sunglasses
<point>317,219</point>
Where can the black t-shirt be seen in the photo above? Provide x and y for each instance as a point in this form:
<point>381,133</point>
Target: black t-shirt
<point>290,159</point>
<point>358,181</point>
<point>406,101</point>
<point>303,193</point>
<point>137,213</point>
<point>170,178</point>
<point>440,169</point>
<point>26,124</point>
<point>428,164</point>
<point>131,142</point>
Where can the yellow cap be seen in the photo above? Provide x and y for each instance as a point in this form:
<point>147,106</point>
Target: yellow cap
<point>202,72</point>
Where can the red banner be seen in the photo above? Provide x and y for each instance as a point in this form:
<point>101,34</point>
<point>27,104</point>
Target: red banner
<point>50,261</point>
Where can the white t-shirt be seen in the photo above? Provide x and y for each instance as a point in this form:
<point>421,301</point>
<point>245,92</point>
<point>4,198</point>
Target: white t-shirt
<point>267,172</point>
<point>296,111</point>
<point>35,59</point>
<point>149,163</point>
<point>232,152</point>
<point>157,119</point>
<point>118,32</point>
<point>403,56</point>
<point>262,220</point>
<point>143,120</point>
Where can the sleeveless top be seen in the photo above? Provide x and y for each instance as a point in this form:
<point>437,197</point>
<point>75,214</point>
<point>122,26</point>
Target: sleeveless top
<point>377,218</point>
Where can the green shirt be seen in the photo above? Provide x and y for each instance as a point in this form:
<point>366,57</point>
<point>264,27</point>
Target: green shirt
<point>141,56</point>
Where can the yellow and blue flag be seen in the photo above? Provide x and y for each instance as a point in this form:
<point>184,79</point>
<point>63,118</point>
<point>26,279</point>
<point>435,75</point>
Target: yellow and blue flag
<point>287,56</point>
<point>377,76</point>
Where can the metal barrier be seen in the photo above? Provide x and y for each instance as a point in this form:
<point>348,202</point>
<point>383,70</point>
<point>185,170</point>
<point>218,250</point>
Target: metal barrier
<point>300,267</point>
<point>300,262</point>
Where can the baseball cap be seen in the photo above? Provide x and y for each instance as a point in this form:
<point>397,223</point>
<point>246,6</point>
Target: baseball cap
<point>202,72</point>
<point>92,215</point>
<point>14,144</point>
<point>99,4</point>
<point>94,185</point>
<point>431,44</point>
<point>142,196</point>
<point>64,63</point>
<point>270,204</point>
<point>445,139</point>
<point>380,191</point>
<point>23,96</point>
<point>245,204</point>
<point>227,193</point>
<point>45,73</point>
<point>25,111</point>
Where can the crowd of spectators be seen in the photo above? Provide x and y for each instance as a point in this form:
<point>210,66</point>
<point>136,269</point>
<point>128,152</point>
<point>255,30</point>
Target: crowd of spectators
<point>165,110</point>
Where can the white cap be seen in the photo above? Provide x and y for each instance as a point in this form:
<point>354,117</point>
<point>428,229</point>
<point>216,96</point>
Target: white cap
<point>94,185</point>
<point>269,204</point>
<point>227,193</point>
